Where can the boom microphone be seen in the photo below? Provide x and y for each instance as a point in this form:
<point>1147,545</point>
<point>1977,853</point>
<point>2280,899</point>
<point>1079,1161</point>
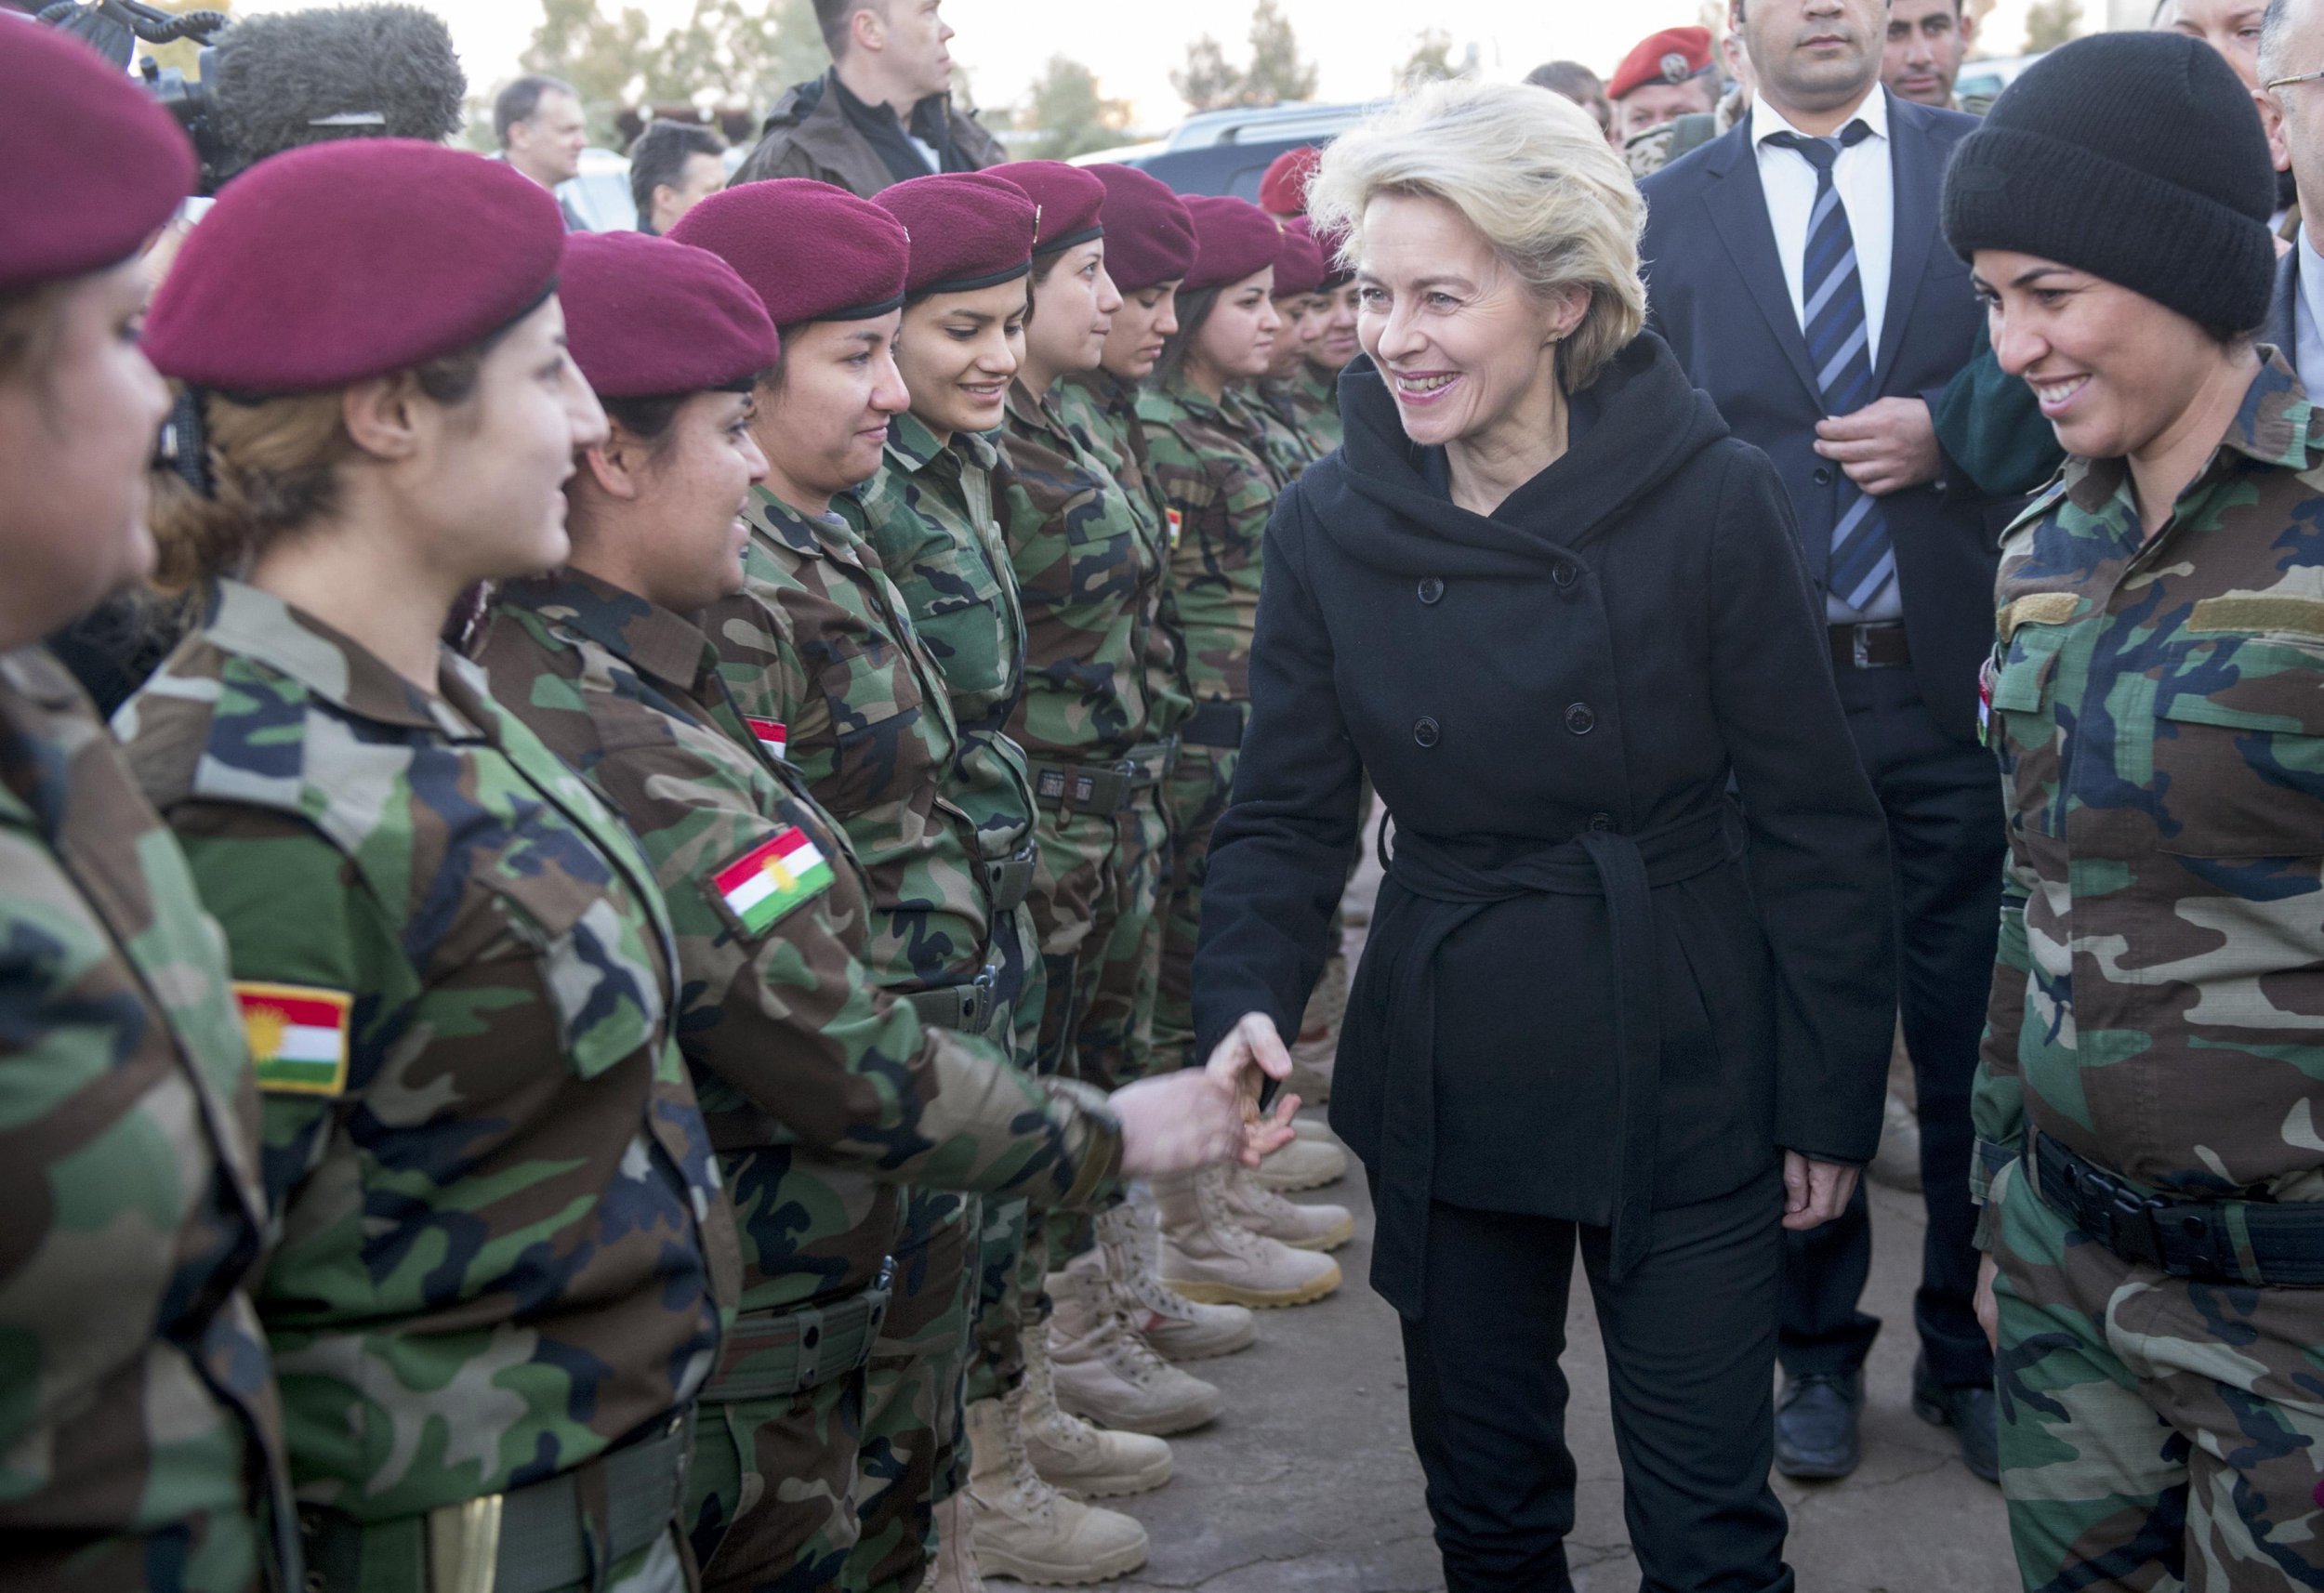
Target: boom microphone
<point>279,82</point>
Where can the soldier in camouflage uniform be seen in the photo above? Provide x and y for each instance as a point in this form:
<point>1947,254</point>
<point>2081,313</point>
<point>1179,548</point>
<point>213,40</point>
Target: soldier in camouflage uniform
<point>142,1431</point>
<point>2146,1106</point>
<point>1299,272</point>
<point>505,1253</point>
<point>1315,390</point>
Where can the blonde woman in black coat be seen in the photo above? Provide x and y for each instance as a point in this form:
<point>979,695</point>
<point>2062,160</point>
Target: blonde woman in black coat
<point>1629,983</point>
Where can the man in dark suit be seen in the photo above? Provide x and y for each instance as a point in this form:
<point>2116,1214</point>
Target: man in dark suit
<point>1794,266</point>
<point>2291,107</point>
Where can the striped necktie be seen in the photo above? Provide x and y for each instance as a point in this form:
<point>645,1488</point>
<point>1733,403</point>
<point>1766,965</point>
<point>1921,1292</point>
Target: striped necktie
<point>1838,346</point>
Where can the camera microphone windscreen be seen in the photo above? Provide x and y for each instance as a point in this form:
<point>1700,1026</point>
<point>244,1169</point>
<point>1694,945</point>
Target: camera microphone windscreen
<point>280,82</point>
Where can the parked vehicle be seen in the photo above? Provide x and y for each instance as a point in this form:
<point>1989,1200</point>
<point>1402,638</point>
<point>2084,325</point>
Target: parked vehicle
<point>1228,152</point>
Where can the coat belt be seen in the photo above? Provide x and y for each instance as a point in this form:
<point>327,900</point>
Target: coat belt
<point>1625,870</point>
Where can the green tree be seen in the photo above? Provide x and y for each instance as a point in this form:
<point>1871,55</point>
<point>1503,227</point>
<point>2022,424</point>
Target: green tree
<point>599,55</point>
<point>729,50</point>
<point>1276,72</point>
<point>1067,115</point>
<point>1431,61</point>
<point>1206,82</point>
<point>2050,23</point>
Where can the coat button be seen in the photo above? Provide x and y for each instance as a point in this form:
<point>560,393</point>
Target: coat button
<point>1823,476</point>
<point>1564,576</point>
<point>1425,732</point>
<point>1580,719</point>
<point>1430,589</point>
<point>1601,821</point>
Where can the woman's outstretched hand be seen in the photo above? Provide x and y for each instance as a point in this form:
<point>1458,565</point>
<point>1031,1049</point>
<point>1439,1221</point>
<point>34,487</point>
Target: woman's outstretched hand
<point>1814,1192</point>
<point>1178,1123</point>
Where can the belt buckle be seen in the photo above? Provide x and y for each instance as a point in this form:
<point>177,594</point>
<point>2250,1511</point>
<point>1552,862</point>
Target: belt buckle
<point>2127,1216</point>
<point>1860,644</point>
<point>464,1546</point>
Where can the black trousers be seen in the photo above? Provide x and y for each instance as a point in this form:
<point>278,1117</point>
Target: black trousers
<point>1946,839</point>
<point>1690,1343</point>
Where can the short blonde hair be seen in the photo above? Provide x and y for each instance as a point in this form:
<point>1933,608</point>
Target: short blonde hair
<point>1531,172</point>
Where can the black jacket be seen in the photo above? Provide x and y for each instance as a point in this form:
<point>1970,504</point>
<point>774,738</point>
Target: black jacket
<point>1716,292</point>
<point>1551,702</point>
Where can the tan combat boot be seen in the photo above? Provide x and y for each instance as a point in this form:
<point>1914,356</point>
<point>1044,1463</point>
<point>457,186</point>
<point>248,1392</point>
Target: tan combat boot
<point>1303,1163</point>
<point>1128,1254</point>
<point>1207,1255</point>
<point>954,1569</point>
<point>1103,1371</point>
<point>1025,1528</point>
<point>1086,1461</point>
<point>1266,1213</point>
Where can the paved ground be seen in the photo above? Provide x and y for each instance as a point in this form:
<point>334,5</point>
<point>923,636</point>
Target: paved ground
<point>1308,1483</point>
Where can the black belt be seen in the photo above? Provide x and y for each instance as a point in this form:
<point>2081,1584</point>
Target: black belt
<point>1215,722</point>
<point>1878,644</point>
<point>1626,870</point>
<point>2254,1243</point>
<point>771,1355</point>
<point>1105,788</point>
<point>528,1540</point>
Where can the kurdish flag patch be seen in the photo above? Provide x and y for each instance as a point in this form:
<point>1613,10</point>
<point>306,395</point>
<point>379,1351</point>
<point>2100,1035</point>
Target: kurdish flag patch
<point>297,1036</point>
<point>768,881</point>
<point>773,734</point>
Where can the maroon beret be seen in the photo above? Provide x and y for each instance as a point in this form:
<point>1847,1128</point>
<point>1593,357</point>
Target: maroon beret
<point>352,259</point>
<point>1233,239</point>
<point>645,317</point>
<point>1149,236</point>
<point>1673,55</point>
<point>1298,264</point>
<point>810,251</point>
<point>1283,191</point>
<point>1327,247</point>
<point>969,230</point>
<point>1071,201</point>
<point>94,164</point>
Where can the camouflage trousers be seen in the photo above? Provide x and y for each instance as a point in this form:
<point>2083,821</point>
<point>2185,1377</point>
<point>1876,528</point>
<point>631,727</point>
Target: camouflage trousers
<point>912,1456</point>
<point>1116,1045</point>
<point>1012,1260</point>
<point>771,1493</point>
<point>2156,1434</point>
<point>1196,795</point>
<point>207,1551</point>
<point>1072,892</point>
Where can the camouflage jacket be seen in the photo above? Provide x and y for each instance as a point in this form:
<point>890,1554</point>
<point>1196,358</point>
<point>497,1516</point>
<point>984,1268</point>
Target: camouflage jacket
<point>1212,462</point>
<point>2158,707</point>
<point>1090,572</point>
<point>1276,406</point>
<point>820,1090</point>
<point>503,1247</point>
<point>820,647</point>
<point>930,516</point>
<point>139,1403</point>
<point>1101,410</point>
<point>1314,398</point>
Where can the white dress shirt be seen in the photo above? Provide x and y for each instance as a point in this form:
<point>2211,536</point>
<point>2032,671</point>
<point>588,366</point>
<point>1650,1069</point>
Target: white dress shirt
<point>1867,192</point>
<point>2307,358</point>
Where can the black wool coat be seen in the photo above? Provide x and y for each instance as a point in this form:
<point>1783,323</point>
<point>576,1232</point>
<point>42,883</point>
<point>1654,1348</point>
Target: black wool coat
<point>1637,933</point>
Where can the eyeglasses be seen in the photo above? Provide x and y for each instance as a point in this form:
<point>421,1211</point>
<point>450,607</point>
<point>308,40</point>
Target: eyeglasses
<point>2289,81</point>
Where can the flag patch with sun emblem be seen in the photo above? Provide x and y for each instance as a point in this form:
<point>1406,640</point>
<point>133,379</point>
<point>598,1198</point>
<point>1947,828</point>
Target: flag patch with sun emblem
<point>297,1036</point>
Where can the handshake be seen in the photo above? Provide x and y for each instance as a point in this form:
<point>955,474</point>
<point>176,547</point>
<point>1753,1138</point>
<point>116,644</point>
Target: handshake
<point>1178,1123</point>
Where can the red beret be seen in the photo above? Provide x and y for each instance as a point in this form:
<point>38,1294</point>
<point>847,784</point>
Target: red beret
<point>810,251</point>
<point>645,317</point>
<point>1149,236</point>
<point>1298,264</point>
<point>1673,55</point>
<point>969,230</point>
<point>1327,247</point>
<point>1234,238</point>
<point>1070,200</point>
<point>352,259</point>
<point>1283,191</point>
<point>94,164</point>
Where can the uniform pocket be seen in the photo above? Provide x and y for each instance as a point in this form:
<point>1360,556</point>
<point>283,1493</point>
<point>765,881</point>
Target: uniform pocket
<point>2022,726</point>
<point>2239,748</point>
<point>875,705</point>
<point>592,949</point>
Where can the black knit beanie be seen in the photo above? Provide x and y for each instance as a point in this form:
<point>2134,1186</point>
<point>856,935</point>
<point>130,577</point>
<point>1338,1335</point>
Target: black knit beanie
<point>2136,157</point>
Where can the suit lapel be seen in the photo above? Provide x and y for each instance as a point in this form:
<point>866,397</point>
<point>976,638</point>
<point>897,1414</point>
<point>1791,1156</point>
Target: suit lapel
<point>1913,169</point>
<point>1739,210</point>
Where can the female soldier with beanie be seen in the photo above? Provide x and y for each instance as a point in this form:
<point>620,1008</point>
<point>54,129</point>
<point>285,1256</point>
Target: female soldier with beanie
<point>1226,1236</point>
<point>505,1253</point>
<point>2152,1180</point>
<point>815,1081</point>
<point>141,1419</point>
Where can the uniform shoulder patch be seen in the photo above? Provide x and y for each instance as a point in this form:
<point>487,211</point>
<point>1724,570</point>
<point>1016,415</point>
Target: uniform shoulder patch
<point>771,881</point>
<point>297,1036</point>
